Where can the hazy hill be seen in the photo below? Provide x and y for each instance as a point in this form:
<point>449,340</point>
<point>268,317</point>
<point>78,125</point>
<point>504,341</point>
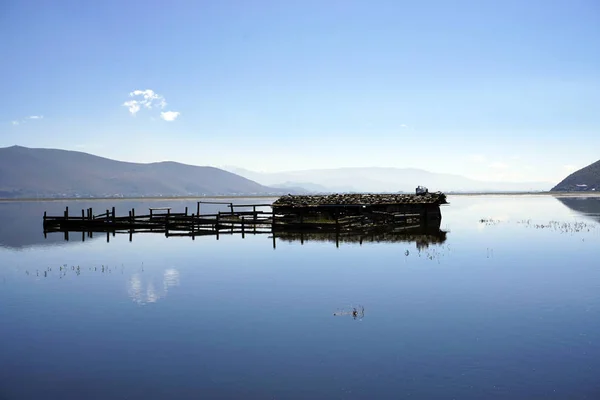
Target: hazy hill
<point>26,172</point>
<point>585,179</point>
<point>385,180</point>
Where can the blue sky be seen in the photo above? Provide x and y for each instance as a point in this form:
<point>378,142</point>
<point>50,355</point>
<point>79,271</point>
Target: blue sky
<point>495,90</point>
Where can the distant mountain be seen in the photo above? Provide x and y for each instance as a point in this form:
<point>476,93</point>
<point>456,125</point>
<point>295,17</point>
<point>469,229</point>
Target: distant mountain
<point>299,187</point>
<point>586,179</point>
<point>385,180</point>
<point>26,172</point>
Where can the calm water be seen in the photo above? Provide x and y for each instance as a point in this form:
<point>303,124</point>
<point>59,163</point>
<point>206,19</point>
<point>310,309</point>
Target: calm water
<point>504,308</point>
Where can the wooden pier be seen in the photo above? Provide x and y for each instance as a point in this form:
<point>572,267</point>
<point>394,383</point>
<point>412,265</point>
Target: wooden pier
<point>281,218</point>
<point>239,218</point>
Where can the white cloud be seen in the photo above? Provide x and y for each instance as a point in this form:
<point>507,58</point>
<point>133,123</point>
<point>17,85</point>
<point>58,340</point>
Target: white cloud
<point>169,115</point>
<point>403,126</point>
<point>149,99</point>
<point>498,165</point>
<point>479,158</point>
<point>25,119</point>
<point>570,168</point>
<point>133,106</point>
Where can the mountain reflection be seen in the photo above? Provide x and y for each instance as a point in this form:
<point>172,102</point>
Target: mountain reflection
<point>142,287</point>
<point>587,206</point>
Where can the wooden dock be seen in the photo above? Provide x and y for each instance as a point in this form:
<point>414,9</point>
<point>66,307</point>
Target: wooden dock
<point>237,219</point>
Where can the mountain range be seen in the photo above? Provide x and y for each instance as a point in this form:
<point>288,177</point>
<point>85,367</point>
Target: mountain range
<point>585,179</point>
<point>37,173</point>
<point>26,172</point>
<point>377,179</point>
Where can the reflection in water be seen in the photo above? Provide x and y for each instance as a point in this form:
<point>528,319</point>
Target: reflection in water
<point>142,289</point>
<point>143,286</point>
<point>22,220</point>
<point>422,238</point>
<point>587,206</point>
<point>522,323</point>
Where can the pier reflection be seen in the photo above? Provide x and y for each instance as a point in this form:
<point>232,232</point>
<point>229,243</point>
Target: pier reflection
<point>422,237</point>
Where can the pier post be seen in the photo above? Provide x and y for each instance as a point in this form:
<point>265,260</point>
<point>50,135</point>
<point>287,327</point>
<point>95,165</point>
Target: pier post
<point>186,211</point>
<point>107,215</point>
<point>82,235</point>
<point>82,214</point>
<point>254,213</point>
<point>243,233</point>
<point>193,221</point>
<point>44,215</point>
<point>198,208</point>
<point>167,224</point>
<point>113,214</point>
<point>67,235</point>
<point>231,208</point>
<point>67,213</point>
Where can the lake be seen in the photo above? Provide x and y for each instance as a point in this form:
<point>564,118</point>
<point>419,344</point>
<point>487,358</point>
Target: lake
<point>507,306</point>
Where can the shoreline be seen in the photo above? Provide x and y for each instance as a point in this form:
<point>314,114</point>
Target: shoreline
<point>208,198</point>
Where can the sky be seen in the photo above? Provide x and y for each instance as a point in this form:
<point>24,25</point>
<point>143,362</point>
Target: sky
<point>493,90</point>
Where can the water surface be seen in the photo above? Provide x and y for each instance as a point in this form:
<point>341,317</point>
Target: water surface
<point>507,306</point>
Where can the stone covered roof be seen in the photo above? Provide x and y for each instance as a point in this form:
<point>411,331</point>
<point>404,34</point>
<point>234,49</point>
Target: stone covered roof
<point>358,199</point>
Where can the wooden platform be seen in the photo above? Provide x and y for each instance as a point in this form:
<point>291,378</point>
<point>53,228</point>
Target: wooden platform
<point>239,219</point>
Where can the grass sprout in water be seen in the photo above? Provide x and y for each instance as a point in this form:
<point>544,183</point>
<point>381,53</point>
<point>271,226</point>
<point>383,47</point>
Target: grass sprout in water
<point>561,227</point>
<point>357,312</point>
